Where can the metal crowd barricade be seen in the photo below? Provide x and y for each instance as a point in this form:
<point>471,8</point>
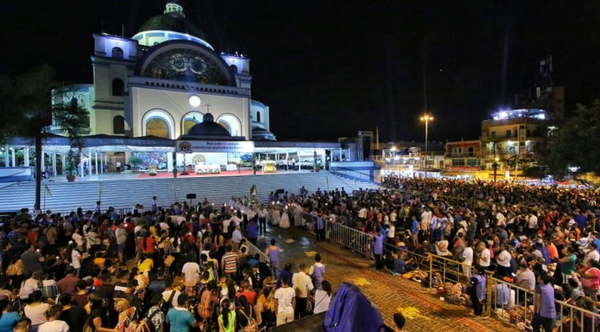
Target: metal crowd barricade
<point>515,305</point>
<point>353,239</point>
<point>447,269</point>
<point>509,302</point>
<point>572,318</point>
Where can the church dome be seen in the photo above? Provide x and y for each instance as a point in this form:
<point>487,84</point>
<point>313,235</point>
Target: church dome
<point>208,127</point>
<point>261,134</point>
<point>171,25</point>
<point>170,22</point>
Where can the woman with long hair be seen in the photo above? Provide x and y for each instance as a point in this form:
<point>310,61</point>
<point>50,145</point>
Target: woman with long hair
<point>98,315</point>
<point>265,308</point>
<point>227,317</point>
<point>244,315</point>
<point>322,297</point>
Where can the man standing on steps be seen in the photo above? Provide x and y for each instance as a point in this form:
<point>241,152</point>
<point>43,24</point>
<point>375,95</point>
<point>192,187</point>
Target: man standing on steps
<point>262,219</point>
<point>302,285</point>
<point>476,290</point>
<point>285,298</point>
<point>378,249</point>
<point>320,226</point>
<point>274,254</point>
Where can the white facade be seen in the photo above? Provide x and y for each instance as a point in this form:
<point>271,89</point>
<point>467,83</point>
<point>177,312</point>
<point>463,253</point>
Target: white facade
<point>174,107</point>
<point>142,86</point>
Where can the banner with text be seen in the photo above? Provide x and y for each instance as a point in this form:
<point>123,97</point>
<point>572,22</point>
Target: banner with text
<point>215,146</point>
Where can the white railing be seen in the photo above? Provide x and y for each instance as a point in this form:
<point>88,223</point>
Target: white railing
<point>353,239</point>
<point>518,309</point>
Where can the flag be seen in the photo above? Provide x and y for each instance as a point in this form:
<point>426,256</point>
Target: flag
<point>47,191</point>
<point>100,188</point>
<point>253,190</point>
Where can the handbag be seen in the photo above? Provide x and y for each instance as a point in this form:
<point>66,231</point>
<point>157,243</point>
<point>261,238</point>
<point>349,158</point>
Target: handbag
<point>252,326</point>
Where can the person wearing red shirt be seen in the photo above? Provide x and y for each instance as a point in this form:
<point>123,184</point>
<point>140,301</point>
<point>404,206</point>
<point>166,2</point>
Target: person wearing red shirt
<point>149,245</point>
<point>247,292</point>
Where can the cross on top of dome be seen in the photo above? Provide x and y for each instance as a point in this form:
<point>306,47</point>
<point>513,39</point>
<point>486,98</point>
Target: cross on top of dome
<point>174,7</point>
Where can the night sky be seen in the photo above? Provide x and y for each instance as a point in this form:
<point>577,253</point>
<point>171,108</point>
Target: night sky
<point>331,68</point>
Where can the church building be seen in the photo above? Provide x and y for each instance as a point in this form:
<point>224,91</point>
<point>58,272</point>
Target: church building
<point>165,100</point>
<point>162,80</point>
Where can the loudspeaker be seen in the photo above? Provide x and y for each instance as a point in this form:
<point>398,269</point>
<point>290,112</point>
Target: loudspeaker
<point>190,196</point>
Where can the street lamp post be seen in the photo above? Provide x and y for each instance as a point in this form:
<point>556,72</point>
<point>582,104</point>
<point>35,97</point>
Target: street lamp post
<point>495,166</point>
<point>426,118</point>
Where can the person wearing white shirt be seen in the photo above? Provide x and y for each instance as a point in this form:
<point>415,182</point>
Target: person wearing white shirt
<point>591,256</point>
<point>467,256</point>
<point>485,256</point>
<point>532,224</point>
<point>191,271</point>
<point>285,297</point>
<point>500,219</point>
<point>76,259</point>
<point>54,324</point>
<point>391,231</point>
<point>503,261</point>
<point>302,285</point>
<point>236,237</point>
<point>29,286</point>
<point>362,213</point>
<point>426,218</point>
<point>322,298</point>
<point>79,239</point>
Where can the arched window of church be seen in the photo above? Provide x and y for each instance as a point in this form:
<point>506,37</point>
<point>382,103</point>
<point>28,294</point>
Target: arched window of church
<point>117,52</point>
<point>119,125</point>
<point>157,127</point>
<point>118,87</point>
<point>257,116</point>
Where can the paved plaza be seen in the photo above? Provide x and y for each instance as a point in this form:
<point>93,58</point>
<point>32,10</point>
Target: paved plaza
<point>423,310</point>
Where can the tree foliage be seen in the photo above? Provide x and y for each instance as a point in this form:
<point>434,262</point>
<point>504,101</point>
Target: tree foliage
<point>576,143</point>
<point>26,111</point>
<point>73,120</point>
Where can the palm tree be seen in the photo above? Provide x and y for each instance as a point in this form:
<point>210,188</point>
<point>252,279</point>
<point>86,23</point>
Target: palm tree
<point>32,113</point>
<point>73,120</point>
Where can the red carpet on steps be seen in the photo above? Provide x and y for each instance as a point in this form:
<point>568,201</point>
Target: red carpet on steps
<point>192,174</point>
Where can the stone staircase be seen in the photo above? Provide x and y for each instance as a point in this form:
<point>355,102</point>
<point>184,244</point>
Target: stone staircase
<point>65,197</point>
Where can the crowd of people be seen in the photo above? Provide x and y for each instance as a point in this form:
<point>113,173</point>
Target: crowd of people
<point>543,239</point>
<point>181,268</point>
<point>186,268</point>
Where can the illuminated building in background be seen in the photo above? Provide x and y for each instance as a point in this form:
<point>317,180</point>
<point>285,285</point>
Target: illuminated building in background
<point>164,79</point>
<point>463,155</point>
<point>513,138</point>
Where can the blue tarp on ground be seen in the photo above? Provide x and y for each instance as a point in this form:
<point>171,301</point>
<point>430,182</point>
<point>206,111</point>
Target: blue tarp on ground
<point>351,311</point>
